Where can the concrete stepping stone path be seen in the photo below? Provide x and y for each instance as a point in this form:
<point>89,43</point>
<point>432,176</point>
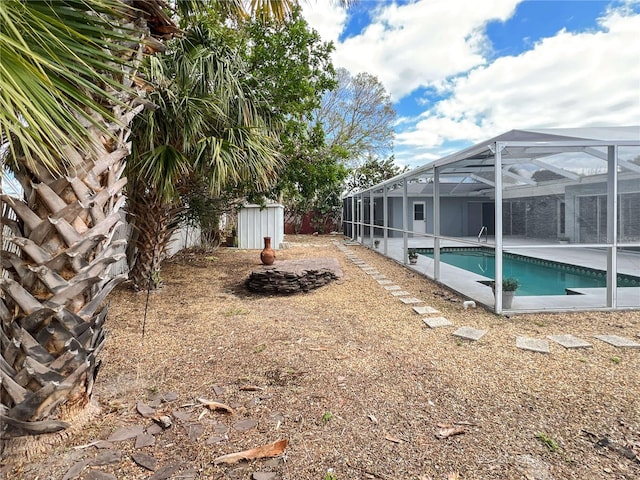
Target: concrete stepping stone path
<point>532,344</point>
<point>569,341</point>
<point>435,322</point>
<point>469,333</point>
<point>399,293</point>
<point>410,300</point>
<point>424,310</point>
<point>616,341</point>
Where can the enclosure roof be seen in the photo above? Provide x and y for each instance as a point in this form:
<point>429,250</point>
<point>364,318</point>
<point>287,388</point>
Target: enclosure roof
<point>525,147</point>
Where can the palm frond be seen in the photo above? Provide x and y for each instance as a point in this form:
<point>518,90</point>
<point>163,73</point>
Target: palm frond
<point>61,63</point>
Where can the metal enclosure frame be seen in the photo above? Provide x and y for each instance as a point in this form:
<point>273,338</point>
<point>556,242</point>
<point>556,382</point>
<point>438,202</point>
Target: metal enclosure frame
<point>498,155</point>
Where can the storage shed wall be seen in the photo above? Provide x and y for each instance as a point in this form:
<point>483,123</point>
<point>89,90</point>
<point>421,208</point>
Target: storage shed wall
<point>255,223</point>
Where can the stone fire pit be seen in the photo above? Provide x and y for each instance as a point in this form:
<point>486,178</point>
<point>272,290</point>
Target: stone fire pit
<point>292,276</point>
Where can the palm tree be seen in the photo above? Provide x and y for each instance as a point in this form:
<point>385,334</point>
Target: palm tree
<point>66,99</point>
<point>68,92</point>
<point>207,125</point>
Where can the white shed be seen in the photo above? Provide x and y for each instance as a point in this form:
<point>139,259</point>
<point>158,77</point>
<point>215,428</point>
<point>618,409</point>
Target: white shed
<point>256,222</point>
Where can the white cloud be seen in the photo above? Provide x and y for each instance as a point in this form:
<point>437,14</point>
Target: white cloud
<point>328,19</point>
<point>569,80</point>
<point>418,44</point>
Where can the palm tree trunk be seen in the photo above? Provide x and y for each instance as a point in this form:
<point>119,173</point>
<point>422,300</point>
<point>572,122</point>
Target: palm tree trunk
<point>53,292</point>
<point>154,223</point>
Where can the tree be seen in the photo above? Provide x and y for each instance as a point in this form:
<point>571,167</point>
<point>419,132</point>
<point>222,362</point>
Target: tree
<point>358,117</point>
<point>207,124</point>
<point>312,182</point>
<point>372,172</point>
<point>292,68</point>
<point>67,97</point>
<point>67,100</point>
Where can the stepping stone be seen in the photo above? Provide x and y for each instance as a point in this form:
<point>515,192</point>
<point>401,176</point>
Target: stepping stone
<point>220,428</point>
<point>383,281</point>
<point>76,469</point>
<point>616,341</point>
<point>194,431</point>
<point>154,429</point>
<point>569,341</point>
<point>183,416</point>
<point>189,474</point>
<point>532,344</point>
<point>103,444</point>
<point>145,440</point>
<point>469,333</point>
<point>379,277</point>
<point>108,457</point>
<point>264,476</point>
<point>392,287</point>
<point>410,300</point>
<point>165,472</point>
<point>213,439</point>
<point>435,322</point>
<point>399,293</point>
<point>244,425</point>
<point>218,390</point>
<point>145,410</point>
<point>125,433</point>
<point>160,398</point>
<point>145,461</point>
<point>424,310</point>
<point>372,272</point>
<point>98,475</point>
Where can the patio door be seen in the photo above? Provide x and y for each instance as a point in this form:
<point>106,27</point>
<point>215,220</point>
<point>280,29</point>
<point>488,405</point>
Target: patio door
<point>419,217</point>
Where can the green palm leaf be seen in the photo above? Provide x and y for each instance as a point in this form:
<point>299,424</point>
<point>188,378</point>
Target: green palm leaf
<point>61,65</point>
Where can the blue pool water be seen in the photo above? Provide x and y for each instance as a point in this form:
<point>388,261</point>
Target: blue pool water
<point>536,276</point>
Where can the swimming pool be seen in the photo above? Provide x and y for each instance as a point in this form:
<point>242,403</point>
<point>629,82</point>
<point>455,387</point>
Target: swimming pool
<point>536,276</point>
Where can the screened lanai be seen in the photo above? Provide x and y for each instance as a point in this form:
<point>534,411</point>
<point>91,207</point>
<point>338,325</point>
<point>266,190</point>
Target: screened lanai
<point>531,205</point>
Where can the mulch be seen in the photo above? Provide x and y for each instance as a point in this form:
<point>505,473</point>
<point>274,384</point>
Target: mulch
<point>353,379</point>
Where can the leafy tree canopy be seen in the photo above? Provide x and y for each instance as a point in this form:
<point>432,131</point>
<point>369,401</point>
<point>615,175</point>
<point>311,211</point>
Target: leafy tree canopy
<point>372,172</point>
<point>289,65</point>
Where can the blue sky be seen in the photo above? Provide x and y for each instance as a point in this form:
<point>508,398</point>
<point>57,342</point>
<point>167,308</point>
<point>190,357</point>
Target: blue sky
<point>461,71</point>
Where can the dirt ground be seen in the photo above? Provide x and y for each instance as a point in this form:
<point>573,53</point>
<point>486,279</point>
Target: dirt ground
<point>359,386</point>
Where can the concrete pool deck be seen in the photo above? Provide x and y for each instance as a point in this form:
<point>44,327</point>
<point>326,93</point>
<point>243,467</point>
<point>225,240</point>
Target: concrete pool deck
<point>467,283</point>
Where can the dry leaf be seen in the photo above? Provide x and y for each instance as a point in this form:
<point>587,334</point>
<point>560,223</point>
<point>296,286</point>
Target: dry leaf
<point>265,451</point>
<point>213,406</point>
<point>449,432</point>
<point>393,439</point>
<point>453,476</point>
<point>373,418</point>
<point>250,388</point>
<point>318,349</point>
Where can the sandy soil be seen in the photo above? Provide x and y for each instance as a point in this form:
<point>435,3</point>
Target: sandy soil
<point>354,380</point>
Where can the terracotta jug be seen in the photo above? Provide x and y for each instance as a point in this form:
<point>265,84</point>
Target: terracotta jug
<point>268,255</point>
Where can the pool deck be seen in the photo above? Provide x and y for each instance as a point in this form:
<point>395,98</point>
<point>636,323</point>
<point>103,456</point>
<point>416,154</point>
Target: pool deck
<point>466,283</point>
